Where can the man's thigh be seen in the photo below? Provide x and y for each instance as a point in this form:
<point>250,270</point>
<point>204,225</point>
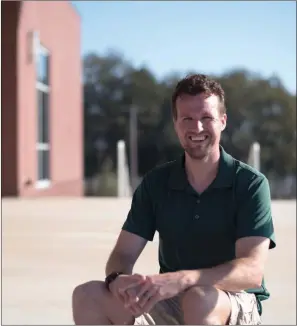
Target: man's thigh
<point>244,311</point>
<point>166,312</point>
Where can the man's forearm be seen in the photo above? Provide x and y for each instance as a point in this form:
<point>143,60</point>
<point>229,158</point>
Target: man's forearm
<point>236,275</point>
<point>118,263</point>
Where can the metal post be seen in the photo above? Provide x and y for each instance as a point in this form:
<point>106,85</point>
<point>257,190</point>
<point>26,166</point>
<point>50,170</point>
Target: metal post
<point>121,168</point>
<point>255,156</point>
<point>133,148</point>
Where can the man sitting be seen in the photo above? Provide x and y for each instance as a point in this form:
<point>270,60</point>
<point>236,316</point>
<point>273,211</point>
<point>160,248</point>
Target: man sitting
<point>213,216</point>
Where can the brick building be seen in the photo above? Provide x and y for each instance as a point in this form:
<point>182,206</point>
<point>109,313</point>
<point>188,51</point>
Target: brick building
<point>42,101</point>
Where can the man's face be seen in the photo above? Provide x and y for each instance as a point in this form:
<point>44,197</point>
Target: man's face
<point>199,124</point>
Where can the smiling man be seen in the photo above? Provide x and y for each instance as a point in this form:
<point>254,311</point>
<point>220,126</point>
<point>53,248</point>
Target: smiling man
<point>213,216</point>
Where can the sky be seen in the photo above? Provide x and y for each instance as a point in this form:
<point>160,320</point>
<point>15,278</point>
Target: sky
<point>204,37</point>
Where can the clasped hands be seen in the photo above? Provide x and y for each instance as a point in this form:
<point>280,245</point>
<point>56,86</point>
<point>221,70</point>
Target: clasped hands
<point>140,293</point>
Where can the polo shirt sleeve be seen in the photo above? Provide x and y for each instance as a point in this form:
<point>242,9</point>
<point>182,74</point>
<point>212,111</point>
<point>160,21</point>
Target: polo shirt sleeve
<point>141,217</point>
<point>254,211</point>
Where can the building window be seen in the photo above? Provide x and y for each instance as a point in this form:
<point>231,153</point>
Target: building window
<point>43,106</point>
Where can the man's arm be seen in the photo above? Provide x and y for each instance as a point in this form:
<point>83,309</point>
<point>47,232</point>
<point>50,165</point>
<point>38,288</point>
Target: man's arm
<point>125,253</point>
<point>254,237</point>
<point>244,272</point>
<point>138,228</point>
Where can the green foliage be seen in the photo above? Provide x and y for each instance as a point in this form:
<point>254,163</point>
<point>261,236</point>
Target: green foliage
<point>258,110</point>
<point>103,183</point>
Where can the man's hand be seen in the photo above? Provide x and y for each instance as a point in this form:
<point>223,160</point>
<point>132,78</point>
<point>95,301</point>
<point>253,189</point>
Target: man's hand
<point>123,281</point>
<point>154,289</point>
<point>134,281</point>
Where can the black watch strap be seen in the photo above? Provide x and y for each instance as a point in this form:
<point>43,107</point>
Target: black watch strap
<point>111,277</point>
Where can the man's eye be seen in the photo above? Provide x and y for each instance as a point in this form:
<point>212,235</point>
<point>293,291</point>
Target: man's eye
<point>187,118</point>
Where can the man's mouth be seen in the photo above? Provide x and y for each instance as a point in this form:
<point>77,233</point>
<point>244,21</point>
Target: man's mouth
<point>198,138</point>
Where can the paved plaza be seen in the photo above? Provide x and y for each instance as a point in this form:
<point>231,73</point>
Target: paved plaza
<point>51,245</point>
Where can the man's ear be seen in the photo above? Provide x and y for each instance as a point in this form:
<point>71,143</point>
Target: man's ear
<point>174,123</point>
<point>224,122</point>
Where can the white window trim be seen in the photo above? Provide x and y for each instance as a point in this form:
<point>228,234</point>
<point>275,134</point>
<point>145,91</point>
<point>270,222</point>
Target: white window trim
<point>43,50</point>
<point>43,146</point>
<point>42,87</point>
<point>43,184</point>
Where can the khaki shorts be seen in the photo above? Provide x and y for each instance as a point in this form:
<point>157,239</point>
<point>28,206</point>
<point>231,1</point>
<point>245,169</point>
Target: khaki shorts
<point>244,311</point>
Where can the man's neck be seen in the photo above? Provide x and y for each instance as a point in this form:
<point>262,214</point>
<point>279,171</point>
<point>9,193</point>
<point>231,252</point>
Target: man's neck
<point>201,173</point>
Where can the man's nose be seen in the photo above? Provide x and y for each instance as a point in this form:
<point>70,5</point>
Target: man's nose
<point>199,126</point>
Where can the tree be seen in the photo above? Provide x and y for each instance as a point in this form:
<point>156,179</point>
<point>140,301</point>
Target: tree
<point>258,109</point>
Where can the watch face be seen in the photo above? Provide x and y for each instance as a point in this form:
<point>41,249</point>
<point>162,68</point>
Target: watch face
<point>111,277</point>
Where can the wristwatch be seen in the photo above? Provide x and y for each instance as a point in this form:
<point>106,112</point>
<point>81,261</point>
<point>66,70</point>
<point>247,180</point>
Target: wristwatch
<point>111,277</point>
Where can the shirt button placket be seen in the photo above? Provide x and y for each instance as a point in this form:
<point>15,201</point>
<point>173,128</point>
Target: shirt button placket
<point>196,217</point>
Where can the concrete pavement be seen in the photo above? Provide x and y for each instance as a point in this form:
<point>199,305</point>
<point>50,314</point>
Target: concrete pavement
<point>51,245</point>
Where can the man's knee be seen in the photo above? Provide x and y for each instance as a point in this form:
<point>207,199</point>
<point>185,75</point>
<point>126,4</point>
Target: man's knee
<point>93,304</point>
<point>202,299</point>
<point>87,296</point>
<point>89,291</point>
<point>206,306</point>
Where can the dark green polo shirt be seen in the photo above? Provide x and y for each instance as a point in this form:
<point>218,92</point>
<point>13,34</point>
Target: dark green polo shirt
<point>200,230</point>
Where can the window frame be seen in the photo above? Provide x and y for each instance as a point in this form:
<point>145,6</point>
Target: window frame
<point>42,146</point>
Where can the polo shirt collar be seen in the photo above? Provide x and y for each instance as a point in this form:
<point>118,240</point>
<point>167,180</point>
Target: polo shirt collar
<point>178,178</point>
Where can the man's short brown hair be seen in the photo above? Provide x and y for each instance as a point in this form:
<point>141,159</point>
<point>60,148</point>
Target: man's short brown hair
<point>195,85</point>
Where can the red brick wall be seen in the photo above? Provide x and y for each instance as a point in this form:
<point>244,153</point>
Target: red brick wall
<point>58,25</point>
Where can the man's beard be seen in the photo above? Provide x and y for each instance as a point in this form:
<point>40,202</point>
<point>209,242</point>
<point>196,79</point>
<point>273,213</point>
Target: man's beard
<point>199,152</point>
